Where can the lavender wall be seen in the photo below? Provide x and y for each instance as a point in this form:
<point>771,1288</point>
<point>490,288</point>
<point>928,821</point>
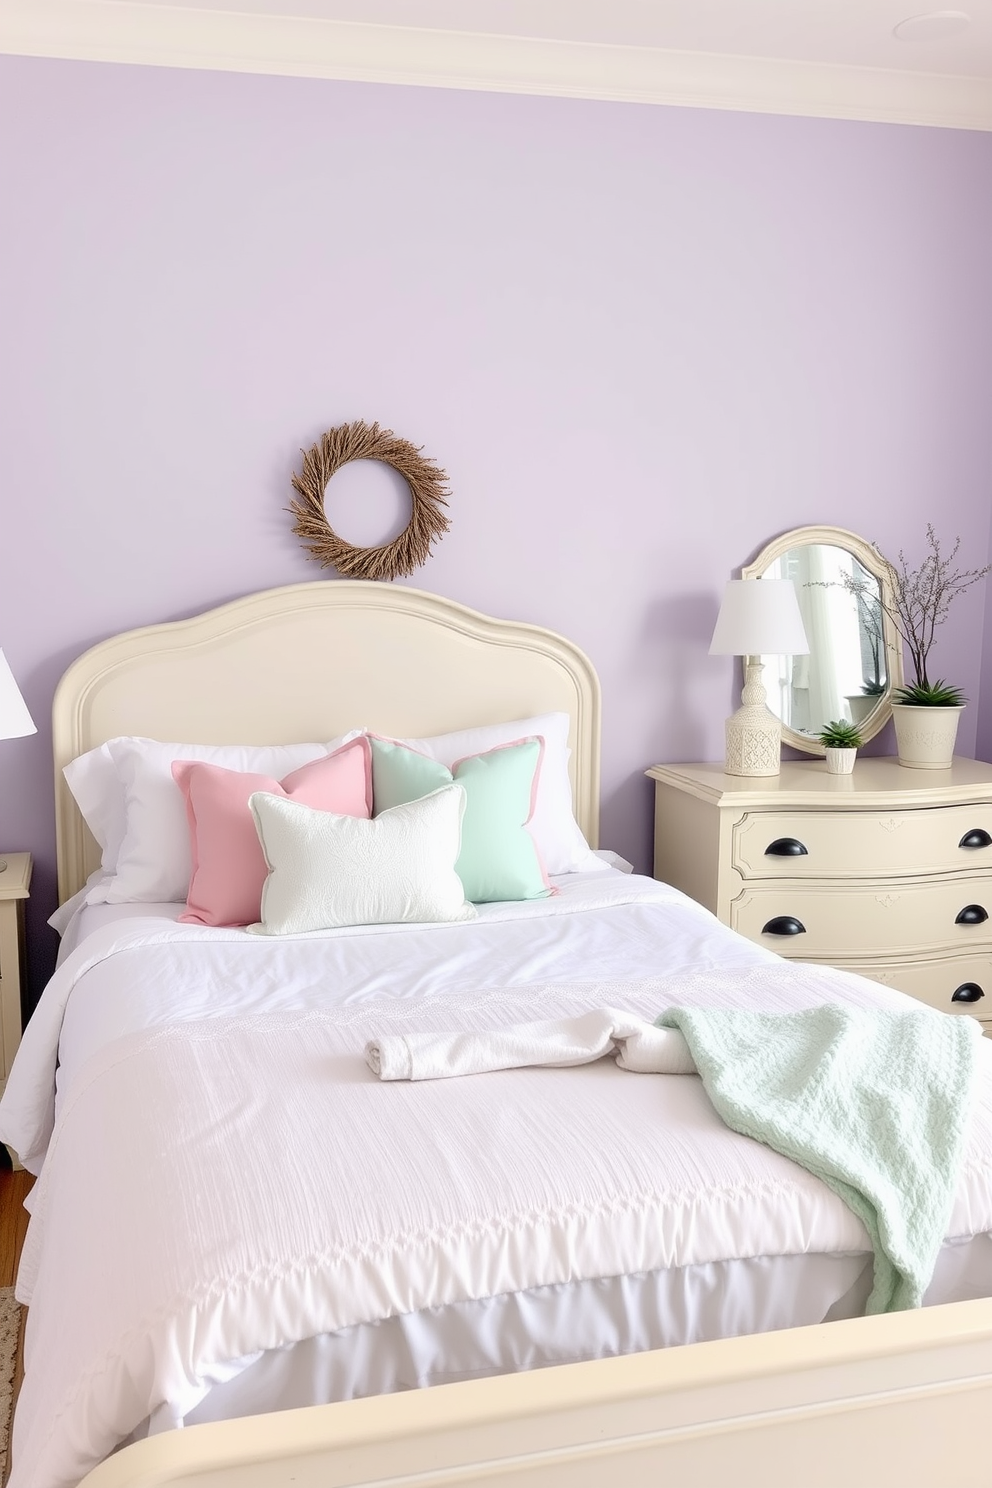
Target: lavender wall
<point>641,341</point>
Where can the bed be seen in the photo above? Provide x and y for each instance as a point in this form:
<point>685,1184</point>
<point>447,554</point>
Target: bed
<point>579,1306</point>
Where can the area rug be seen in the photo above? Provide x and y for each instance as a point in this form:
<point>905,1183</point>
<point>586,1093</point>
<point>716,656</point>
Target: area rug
<point>10,1328</point>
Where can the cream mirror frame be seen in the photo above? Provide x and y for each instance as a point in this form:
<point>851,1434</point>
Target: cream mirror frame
<point>855,661</point>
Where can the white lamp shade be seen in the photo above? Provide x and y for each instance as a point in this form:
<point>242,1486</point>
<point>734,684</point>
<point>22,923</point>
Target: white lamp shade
<point>759,617</point>
<point>15,720</point>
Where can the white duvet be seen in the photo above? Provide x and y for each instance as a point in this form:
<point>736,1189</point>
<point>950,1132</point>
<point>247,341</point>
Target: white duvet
<point>222,1174</point>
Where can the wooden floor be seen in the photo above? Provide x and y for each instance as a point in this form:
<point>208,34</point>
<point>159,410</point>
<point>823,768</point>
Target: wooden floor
<point>13,1223</point>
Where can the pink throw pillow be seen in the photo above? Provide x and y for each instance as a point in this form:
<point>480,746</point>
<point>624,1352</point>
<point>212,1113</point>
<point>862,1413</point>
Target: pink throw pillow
<point>229,868</point>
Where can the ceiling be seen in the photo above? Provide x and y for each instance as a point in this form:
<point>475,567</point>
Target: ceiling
<point>893,60</point>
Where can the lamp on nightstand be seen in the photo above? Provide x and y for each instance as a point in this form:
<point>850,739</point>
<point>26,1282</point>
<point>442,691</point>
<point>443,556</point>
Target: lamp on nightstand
<point>758,617</point>
<point>15,720</point>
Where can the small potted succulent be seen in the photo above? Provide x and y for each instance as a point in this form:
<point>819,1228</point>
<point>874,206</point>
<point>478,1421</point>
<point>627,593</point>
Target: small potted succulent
<point>841,741</point>
<point>926,713</point>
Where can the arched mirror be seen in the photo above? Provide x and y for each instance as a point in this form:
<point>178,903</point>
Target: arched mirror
<point>855,656</point>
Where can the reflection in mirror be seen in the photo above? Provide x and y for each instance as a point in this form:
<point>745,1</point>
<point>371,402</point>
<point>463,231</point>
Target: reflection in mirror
<point>855,655</point>
<point>845,674</point>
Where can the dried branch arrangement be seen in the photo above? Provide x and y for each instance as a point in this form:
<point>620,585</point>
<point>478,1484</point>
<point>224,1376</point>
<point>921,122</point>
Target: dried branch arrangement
<point>920,600</point>
<point>428,492</point>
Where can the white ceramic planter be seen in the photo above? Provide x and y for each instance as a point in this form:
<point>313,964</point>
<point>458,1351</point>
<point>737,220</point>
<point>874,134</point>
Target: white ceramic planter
<point>841,761</point>
<point>925,736</point>
<point>861,705</point>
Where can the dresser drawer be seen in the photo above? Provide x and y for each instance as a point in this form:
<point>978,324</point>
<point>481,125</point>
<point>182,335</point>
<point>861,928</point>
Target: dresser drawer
<point>935,980</point>
<point>817,922</point>
<point>842,844</point>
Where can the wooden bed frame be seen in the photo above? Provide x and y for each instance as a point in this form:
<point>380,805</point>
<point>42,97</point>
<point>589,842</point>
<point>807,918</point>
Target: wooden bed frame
<point>903,1399</point>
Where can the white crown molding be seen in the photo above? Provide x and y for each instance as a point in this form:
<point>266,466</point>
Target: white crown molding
<point>131,31</point>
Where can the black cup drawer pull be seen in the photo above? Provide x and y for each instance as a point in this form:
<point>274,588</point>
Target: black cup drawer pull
<point>977,837</point>
<point>785,847</point>
<point>784,925</point>
<point>967,992</point>
<point>972,914</point>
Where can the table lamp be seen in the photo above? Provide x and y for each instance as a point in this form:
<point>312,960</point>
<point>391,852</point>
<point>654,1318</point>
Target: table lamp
<point>758,617</point>
<point>15,720</point>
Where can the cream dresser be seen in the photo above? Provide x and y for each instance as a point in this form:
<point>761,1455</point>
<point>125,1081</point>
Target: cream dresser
<point>887,872</point>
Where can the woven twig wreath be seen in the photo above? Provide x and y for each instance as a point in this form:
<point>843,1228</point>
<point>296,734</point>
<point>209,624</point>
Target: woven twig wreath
<point>361,441</point>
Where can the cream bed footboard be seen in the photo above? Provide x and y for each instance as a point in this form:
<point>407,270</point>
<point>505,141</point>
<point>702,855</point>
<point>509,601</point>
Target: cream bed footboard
<point>901,1401</point>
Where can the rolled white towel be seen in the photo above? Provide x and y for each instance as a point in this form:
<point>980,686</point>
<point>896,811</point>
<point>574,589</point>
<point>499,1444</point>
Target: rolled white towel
<point>650,1051</point>
<point>638,1045</point>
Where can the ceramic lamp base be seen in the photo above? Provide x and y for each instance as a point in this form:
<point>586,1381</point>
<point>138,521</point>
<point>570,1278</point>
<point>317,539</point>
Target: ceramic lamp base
<point>754,734</point>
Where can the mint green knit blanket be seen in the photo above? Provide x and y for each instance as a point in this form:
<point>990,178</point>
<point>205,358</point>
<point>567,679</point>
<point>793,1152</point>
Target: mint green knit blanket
<point>874,1103</point>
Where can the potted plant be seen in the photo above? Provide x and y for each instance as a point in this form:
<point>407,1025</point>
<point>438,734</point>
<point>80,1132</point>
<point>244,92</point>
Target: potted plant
<point>865,702</point>
<point>926,712</point>
<point>841,741</point>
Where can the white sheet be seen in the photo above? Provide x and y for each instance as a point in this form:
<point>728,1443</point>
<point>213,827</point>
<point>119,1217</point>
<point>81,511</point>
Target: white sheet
<point>561,1324</point>
<point>124,982</point>
<point>651,929</point>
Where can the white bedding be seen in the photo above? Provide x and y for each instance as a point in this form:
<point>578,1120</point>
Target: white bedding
<point>509,945</point>
<point>473,1213</point>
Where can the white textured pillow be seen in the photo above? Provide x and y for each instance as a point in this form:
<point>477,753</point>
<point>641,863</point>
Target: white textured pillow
<point>557,834</point>
<point>97,791</point>
<point>134,808</point>
<point>327,871</point>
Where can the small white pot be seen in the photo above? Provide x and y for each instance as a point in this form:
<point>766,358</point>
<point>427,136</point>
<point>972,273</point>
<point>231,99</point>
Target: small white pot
<point>925,736</point>
<point>841,761</point>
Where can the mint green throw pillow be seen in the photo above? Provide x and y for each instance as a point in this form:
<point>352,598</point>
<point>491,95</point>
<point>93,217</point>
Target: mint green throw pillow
<point>498,858</point>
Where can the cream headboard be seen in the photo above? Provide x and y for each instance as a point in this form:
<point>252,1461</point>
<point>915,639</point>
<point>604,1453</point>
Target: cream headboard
<point>310,661</point>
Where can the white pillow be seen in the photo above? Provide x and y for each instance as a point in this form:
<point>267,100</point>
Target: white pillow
<point>134,809</point>
<point>137,814</point>
<point>559,839</point>
<point>96,788</point>
<point>327,871</point>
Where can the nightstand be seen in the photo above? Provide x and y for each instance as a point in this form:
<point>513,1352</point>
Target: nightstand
<point>886,872</point>
<point>15,885</point>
